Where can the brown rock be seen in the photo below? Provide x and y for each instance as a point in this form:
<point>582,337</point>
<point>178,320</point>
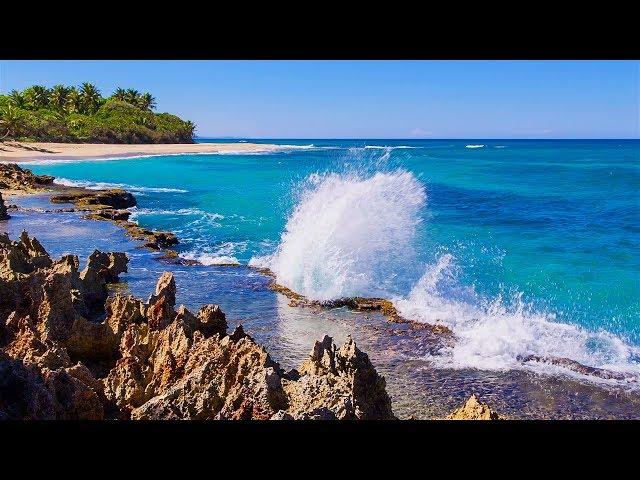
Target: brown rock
<point>14,177</point>
<point>99,199</point>
<point>211,321</point>
<point>3,210</point>
<point>160,311</point>
<point>341,380</point>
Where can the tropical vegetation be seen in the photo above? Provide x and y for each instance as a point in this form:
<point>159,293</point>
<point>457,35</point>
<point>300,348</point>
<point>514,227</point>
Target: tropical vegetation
<point>82,115</point>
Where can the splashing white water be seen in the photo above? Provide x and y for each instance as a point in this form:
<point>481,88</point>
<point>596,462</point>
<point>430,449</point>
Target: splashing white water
<point>349,235</point>
<point>493,335</point>
<point>353,235</point>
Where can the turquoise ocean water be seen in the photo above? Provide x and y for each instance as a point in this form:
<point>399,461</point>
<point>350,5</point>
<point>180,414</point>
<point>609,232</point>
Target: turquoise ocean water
<point>527,247</point>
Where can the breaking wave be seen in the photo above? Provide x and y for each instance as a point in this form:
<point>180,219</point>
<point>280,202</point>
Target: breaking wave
<point>349,235</point>
<point>353,234</point>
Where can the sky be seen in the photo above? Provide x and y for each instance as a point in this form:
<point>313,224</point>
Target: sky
<point>370,99</point>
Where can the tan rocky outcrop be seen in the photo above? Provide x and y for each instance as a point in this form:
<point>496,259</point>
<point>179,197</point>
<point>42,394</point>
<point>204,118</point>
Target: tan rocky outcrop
<point>149,361</point>
<point>473,409</point>
<point>341,381</point>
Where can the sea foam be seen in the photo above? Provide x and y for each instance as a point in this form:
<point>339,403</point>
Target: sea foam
<point>353,234</point>
<point>106,185</point>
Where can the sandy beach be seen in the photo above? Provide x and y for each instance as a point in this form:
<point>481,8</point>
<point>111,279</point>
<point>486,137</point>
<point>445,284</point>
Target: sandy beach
<point>26,151</point>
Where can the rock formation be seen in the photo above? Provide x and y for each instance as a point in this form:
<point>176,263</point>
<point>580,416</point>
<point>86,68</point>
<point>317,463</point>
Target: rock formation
<point>3,209</point>
<point>13,177</point>
<point>473,409</point>
<point>69,351</point>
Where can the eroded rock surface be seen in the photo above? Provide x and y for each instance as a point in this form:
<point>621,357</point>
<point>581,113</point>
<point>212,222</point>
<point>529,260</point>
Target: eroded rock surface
<point>473,409</point>
<point>14,177</point>
<point>69,351</point>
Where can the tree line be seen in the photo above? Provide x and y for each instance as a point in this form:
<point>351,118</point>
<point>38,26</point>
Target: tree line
<point>85,99</point>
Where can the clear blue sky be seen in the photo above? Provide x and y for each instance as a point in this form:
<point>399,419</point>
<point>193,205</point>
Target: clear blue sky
<point>371,99</point>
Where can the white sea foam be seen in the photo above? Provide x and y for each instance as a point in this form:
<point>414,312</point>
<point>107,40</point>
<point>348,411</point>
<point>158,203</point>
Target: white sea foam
<point>105,185</point>
<point>494,334</point>
<point>137,212</point>
<point>474,146</point>
<point>210,259</point>
<point>392,147</point>
<point>352,235</point>
<point>348,235</point>
<point>221,254</point>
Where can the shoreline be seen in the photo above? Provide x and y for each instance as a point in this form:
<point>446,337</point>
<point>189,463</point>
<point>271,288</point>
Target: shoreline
<point>18,152</point>
<point>97,210</point>
<point>112,205</point>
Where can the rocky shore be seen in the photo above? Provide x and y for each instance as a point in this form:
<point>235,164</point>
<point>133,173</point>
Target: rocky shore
<point>70,349</point>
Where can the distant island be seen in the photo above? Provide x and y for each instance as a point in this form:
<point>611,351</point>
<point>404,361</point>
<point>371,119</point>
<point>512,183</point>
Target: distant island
<point>70,114</point>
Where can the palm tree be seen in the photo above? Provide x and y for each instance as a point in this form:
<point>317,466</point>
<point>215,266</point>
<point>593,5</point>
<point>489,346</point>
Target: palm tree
<point>120,94</point>
<point>58,97</point>
<point>146,102</point>
<point>132,96</point>
<point>17,99</point>
<point>37,96</point>
<point>11,121</point>
<point>90,97</point>
<point>74,101</point>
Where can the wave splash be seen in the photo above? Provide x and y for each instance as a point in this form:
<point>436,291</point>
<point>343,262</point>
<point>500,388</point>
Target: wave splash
<point>497,334</point>
<point>350,235</point>
<point>353,234</point>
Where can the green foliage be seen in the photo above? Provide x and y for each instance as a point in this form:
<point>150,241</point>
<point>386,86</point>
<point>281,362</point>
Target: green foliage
<point>81,114</point>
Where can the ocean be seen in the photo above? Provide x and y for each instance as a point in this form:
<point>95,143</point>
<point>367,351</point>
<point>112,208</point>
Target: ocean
<point>524,248</point>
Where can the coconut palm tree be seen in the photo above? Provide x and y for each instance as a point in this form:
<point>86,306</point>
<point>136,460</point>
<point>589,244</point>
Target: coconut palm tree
<point>90,97</point>
<point>37,96</point>
<point>74,101</point>
<point>58,97</point>
<point>132,96</point>
<point>10,121</point>
<point>17,99</point>
<point>120,94</point>
<point>146,102</point>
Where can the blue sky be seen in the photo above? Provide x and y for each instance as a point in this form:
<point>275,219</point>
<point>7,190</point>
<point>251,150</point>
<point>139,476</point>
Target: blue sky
<point>371,99</point>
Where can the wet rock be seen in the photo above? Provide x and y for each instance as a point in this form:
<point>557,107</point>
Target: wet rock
<point>99,199</point>
<point>473,409</point>
<point>109,214</point>
<point>3,210</point>
<point>13,177</point>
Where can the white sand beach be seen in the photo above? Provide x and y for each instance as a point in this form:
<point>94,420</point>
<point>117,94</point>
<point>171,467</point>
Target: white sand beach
<point>27,151</point>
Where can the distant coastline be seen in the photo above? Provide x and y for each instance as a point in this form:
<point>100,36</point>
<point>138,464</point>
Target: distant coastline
<point>29,151</point>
